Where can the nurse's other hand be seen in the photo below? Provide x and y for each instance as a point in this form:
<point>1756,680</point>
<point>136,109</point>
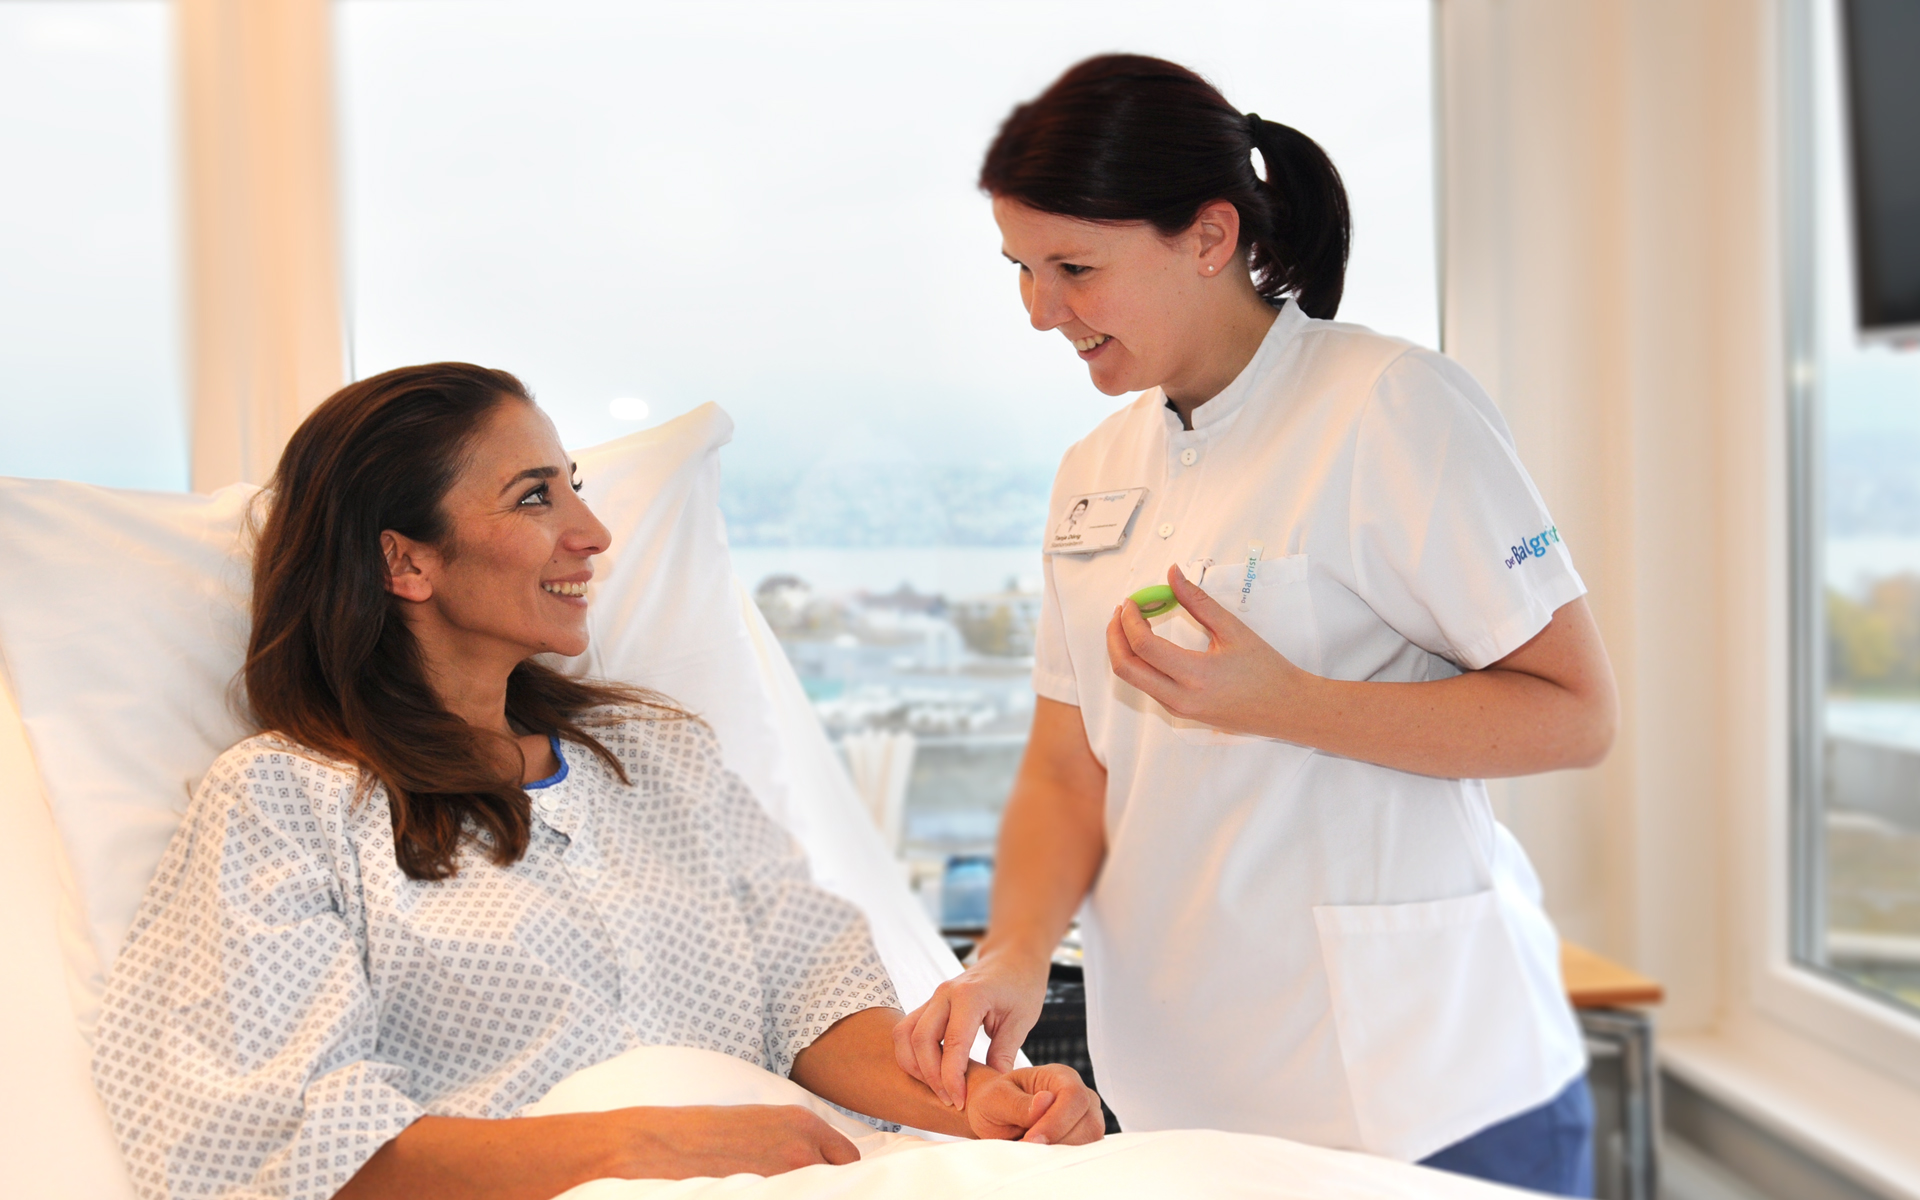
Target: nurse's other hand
<point>1046,1105</point>
<point>934,1042</point>
<point>1238,683</point>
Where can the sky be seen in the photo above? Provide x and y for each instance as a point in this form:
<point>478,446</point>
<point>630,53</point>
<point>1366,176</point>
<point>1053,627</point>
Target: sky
<point>772,205</point>
<point>769,205</point>
<point>90,352</point>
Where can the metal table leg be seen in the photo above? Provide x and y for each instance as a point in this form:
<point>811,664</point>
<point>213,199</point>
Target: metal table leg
<point>1629,1167</point>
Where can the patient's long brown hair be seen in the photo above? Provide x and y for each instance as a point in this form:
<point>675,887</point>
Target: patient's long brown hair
<point>332,663</point>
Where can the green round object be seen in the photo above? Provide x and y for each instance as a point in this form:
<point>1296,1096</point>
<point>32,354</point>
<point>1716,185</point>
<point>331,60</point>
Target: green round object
<point>1155,601</point>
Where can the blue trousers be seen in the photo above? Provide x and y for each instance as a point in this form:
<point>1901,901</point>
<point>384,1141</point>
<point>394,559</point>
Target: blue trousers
<point>1546,1149</point>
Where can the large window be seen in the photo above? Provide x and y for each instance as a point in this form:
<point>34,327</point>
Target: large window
<point>90,356</point>
<point>1857,861</point>
<point>642,207</point>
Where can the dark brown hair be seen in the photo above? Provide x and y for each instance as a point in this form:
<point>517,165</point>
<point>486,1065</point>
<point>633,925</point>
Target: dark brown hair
<point>332,663</point>
<point>1127,138</point>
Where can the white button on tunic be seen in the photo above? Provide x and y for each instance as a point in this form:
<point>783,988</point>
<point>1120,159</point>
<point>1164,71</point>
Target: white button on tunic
<point>288,1000</point>
<point>1282,941</point>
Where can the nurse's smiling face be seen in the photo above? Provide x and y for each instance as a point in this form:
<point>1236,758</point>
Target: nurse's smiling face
<point>1140,308</point>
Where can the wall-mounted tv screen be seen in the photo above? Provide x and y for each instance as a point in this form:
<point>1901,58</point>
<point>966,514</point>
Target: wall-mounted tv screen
<point>1882,40</point>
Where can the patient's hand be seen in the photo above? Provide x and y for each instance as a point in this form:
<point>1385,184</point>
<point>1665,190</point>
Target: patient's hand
<point>1044,1105</point>
<point>758,1139</point>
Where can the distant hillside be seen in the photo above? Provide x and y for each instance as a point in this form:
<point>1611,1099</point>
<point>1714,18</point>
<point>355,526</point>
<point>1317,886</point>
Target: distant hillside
<point>870,503</point>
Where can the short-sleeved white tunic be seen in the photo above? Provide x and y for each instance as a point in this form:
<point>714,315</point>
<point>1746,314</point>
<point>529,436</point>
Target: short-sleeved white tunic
<point>1283,941</point>
<point>288,1000</point>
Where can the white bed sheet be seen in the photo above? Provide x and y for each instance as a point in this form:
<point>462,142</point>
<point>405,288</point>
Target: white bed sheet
<point>1157,1165</point>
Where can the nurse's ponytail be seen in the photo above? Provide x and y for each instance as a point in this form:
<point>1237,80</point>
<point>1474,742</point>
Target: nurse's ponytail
<point>1305,249</point>
<point>1123,137</point>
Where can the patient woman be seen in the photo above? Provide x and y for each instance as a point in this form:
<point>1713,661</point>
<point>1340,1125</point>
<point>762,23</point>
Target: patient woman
<point>448,877</point>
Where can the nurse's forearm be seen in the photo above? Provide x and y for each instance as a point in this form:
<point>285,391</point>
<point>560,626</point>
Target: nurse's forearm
<point>1052,838</point>
<point>1548,706</point>
<point>1052,841</point>
<point>1485,725</point>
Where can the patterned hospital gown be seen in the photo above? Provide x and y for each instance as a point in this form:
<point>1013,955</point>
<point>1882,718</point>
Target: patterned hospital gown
<point>288,1000</point>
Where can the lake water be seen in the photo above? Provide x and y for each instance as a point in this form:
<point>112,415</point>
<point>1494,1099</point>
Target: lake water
<point>966,570</point>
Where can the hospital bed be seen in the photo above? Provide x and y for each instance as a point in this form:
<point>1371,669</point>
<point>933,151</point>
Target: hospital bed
<point>121,627</point>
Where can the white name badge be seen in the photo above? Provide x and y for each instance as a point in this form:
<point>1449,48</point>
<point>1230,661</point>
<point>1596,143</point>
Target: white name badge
<point>1094,522</point>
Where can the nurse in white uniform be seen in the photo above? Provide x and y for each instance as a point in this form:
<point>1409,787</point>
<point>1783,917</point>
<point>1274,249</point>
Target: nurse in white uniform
<point>1300,915</point>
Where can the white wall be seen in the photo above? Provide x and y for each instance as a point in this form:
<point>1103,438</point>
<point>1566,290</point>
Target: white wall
<point>1609,263</point>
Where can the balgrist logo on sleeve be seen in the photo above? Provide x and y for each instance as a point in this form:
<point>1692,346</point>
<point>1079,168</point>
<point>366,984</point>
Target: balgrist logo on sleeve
<point>1533,547</point>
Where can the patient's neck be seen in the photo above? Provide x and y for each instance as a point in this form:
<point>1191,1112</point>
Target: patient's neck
<point>478,698</point>
<point>481,701</point>
<point>469,677</point>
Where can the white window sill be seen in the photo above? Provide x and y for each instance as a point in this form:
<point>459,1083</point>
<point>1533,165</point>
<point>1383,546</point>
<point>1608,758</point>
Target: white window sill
<point>1860,1122</point>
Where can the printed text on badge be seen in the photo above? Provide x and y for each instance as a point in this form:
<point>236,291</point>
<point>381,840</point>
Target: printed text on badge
<point>1094,522</point>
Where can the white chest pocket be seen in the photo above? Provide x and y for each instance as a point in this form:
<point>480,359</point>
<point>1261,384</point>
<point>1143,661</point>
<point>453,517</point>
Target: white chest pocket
<point>1277,607</point>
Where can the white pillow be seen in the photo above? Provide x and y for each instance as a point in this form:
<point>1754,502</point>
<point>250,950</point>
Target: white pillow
<point>668,613</point>
<point>120,671</point>
<point>130,628</point>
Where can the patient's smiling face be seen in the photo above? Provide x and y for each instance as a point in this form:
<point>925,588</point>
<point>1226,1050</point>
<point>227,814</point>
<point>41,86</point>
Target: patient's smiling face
<point>510,580</point>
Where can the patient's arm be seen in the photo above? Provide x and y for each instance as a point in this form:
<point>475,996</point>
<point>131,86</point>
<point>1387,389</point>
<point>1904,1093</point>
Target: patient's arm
<point>535,1158</point>
<point>853,1064</point>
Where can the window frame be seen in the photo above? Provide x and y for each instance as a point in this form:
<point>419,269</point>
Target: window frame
<point>1790,982</point>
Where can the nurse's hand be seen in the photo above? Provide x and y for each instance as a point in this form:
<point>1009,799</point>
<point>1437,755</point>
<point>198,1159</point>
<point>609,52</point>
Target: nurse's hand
<point>1238,683</point>
<point>934,1042</point>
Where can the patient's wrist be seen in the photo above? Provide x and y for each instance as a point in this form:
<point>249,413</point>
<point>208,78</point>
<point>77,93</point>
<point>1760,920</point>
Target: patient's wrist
<point>621,1144</point>
<point>979,1075</point>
